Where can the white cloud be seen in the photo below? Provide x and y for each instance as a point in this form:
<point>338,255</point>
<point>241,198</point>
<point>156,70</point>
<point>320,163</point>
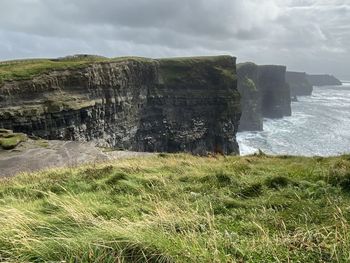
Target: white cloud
<point>308,35</point>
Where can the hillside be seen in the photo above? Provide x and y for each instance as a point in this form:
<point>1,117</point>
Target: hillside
<point>180,208</point>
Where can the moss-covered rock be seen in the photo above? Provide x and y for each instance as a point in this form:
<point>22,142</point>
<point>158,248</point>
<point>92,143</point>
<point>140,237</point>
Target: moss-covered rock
<point>10,140</point>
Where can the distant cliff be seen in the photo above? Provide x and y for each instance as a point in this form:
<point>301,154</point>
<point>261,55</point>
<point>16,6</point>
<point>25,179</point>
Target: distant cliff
<point>276,101</point>
<point>298,83</point>
<point>323,80</point>
<point>171,105</point>
<point>264,92</point>
<point>248,86</point>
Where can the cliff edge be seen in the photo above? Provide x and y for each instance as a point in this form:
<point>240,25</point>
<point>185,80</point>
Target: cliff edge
<point>323,80</point>
<point>298,83</point>
<point>140,104</point>
<point>276,100</point>
<point>248,87</point>
<point>264,92</point>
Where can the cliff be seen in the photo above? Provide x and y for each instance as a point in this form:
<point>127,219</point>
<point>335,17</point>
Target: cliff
<point>323,80</point>
<point>264,93</point>
<point>276,101</point>
<point>248,87</point>
<point>298,83</point>
<point>170,105</point>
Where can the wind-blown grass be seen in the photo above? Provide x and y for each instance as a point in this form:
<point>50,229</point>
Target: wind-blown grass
<point>180,208</point>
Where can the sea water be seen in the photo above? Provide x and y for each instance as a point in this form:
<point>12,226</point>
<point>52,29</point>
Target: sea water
<point>319,125</point>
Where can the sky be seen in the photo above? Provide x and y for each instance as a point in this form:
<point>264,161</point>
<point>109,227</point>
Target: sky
<point>306,35</point>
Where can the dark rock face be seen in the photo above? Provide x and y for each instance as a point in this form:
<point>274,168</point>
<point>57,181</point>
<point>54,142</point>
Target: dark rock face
<point>298,83</point>
<point>248,87</point>
<point>276,100</point>
<point>264,92</point>
<point>189,104</point>
<point>323,80</point>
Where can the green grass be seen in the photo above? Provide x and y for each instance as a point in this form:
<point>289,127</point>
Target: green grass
<point>180,208</point>
<point>179,69</point>
<point>27,69</point>
<point>9,140</point>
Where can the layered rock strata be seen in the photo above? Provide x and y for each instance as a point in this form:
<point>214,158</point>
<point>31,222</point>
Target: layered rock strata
<point>167,105</point>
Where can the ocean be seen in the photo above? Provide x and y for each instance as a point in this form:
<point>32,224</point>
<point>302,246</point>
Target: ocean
<point>319,126</point>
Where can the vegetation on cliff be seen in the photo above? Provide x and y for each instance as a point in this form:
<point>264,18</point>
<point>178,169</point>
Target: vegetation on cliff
<point>150,105</point>
<point>180,208</point>
<point>28,68</point>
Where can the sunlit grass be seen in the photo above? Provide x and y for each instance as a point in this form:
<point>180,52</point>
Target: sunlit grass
<point>180,208</point>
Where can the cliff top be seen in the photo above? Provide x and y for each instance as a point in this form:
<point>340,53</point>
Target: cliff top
<point>27,68</point>
<point>246,64</point>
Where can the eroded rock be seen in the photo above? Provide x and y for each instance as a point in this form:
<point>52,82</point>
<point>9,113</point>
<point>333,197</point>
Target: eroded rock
<point>170,105</point>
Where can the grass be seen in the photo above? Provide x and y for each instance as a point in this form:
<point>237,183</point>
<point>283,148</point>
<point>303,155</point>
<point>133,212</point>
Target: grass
<point>180,208</point>
<point>27,69</point>
<point>10,140</point>
<point>179,69</point>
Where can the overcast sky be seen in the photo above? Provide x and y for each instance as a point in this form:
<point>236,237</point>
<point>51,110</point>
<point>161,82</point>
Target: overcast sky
<point>305,35</point>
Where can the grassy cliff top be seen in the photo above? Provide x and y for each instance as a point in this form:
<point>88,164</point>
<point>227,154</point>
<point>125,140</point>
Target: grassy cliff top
<point>180,208</point>
<point>28,68</point>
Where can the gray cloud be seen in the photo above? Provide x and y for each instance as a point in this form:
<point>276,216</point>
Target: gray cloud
<point>307,35</point>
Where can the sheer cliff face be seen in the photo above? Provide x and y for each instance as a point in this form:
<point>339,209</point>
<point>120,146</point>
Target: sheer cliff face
<point>276,101</point>
<point>170,105</point>
<point>299,85</point>
<point>264,92</point>
<point>248,87</point>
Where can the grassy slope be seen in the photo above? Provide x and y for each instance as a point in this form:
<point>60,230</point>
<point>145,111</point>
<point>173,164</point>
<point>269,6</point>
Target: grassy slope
<point>181,208</point>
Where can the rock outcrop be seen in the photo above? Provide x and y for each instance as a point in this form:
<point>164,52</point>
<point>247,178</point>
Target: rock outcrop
<point>323,80</point>
<point>276,100</point>
<point>252,119</point>
<point>170,105</point>
<point>264,92</point>
<point>298,83</point>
